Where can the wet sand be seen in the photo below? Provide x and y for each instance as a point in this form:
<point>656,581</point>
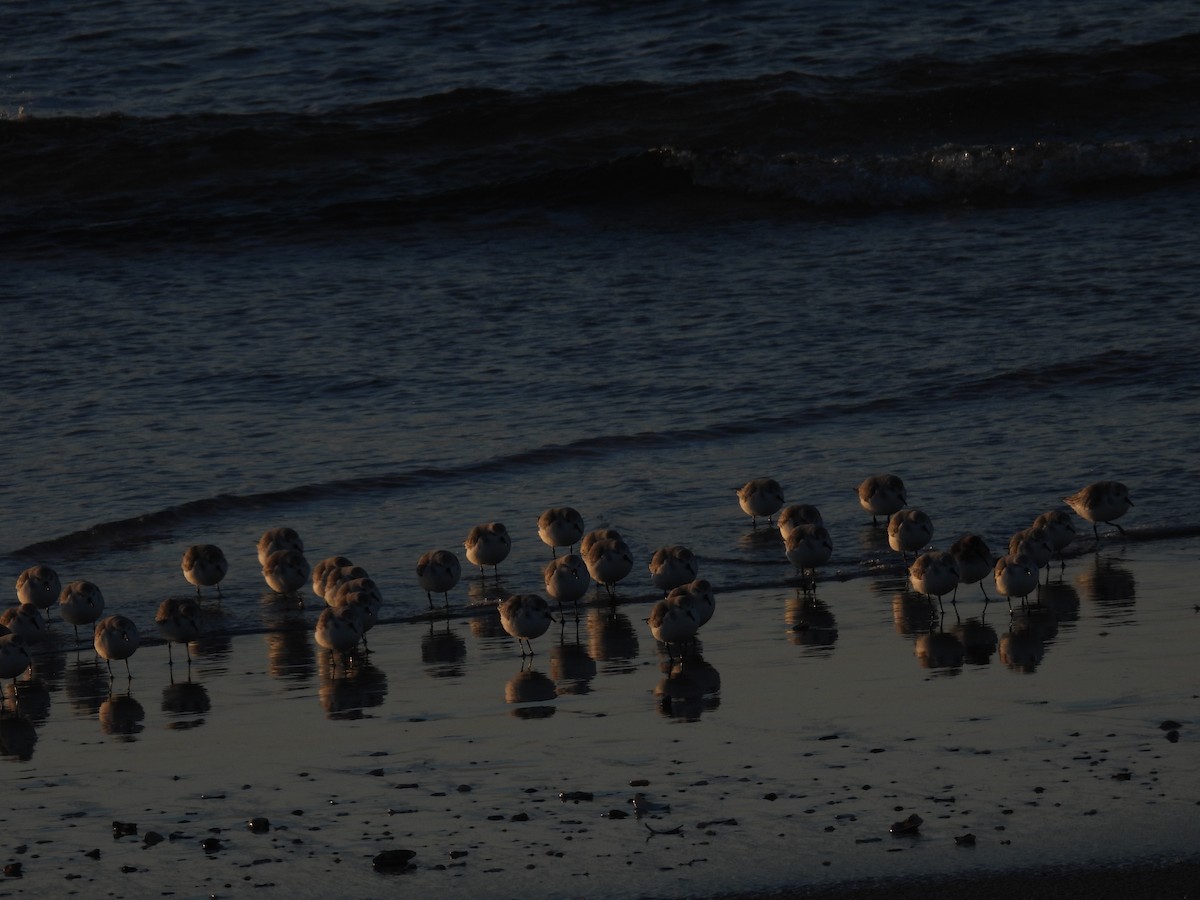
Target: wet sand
<point>776,765</point>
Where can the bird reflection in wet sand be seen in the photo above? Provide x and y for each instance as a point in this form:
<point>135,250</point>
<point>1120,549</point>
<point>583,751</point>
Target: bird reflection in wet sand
<point>290,655</point>
<point>18,736</point>
<point>530,691</point>
<point>979,640</point>
<point>1108,585</point>
<point>29,697</point>
<point>120,715</point>
<point>690,687</point>
<point>810,622</point>
<point>938,649</point>
<point>912,613</point>
<point>612,640</point>
<point>346,692</point>
<point>86,683</point>
<point>443,651</point>
<point>1022,648</point>
<point>186,702</point>
<point>571,668</point>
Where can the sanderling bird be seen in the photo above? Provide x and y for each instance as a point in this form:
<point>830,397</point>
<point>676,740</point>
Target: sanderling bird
<point>797,514</point>
<point>40,586</point>
<point>488,545</point>
<point>934,573</point>
<point>673,622</point>
<point>525,617</point>
<point>322,570</point>
<point>14,657</point>
<point>438,571</point>
<point>204,565</point>
<point>908,531</point>
<point>1060,531</point>
<point>286,571</point>
<point>882,495</point>
<point>116,638</point>
<point>608,560</point>
<point>80,603</point>
<point>1034,542</point>
<point>363,593</point>
<point>178,621</point>
<point>975,561</point>
<point>701,598</point>
<point>567,579</point>
<point>335,576</point>
<point>597,534</point>
<point>26,620</point>
<point>806,547</point>
<point>1016,576</point>
<point>276,539</point>
<point>560,526</point>
<point>672,566</point>
<point>760,497</point>
<point>339,628</point>
<point>1101,502</point>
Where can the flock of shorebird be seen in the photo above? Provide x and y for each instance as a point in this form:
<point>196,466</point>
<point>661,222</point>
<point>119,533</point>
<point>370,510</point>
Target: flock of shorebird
<point>353,600</point>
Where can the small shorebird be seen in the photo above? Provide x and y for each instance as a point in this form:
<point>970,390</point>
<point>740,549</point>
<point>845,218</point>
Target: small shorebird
<point>322,570</point>
<point>204,565</point>
<point>760,497</point>
<point>567,579</point>
<point>560,526</point>
<point>701,599</point>
<point>908,531</point>
<point>798,514</point>
<point>488,545</point>
<point>975,562</point>
<point>1102,501</point>
<point>672,566</point>
<point>806,547</point>
<point>1016,576</point>
<point>116,638</point>
<point>276,539</point>
<point>1060,531</point>
<point>286,571</point>
<point>1034,542</point>
<point>80,603</point>
<point>597,534</point>
<point>363,593</point>
<point>14,657</point>
<point>525,617</point>
<point>178,621</point>
<point>438,571</point>
<point>673,622</point>
<point>882,495</point>
<point>608,560</point>
<point>339,629</point>
<point>40,586</point>
<point>934,573</point>
<point>26,620</point>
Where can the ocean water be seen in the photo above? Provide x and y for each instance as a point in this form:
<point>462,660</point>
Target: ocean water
<point>385,271</point>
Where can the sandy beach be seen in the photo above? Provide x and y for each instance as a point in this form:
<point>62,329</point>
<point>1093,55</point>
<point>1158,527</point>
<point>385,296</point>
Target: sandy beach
<point>778,761</point>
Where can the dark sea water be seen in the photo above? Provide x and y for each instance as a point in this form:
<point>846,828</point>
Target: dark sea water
<point>385,271</point>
